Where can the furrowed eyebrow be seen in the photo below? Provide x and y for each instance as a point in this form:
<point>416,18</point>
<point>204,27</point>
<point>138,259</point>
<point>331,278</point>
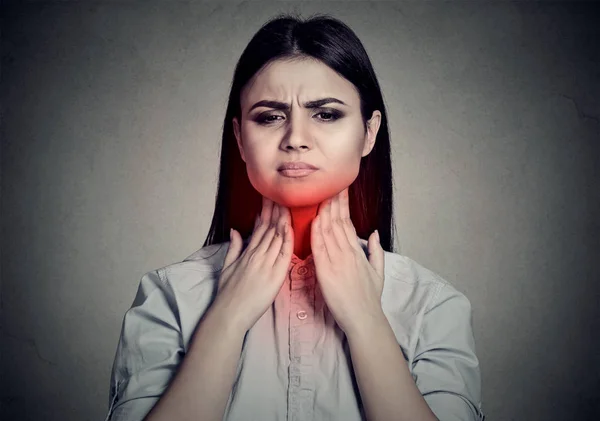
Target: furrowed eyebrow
<point>283,106</point>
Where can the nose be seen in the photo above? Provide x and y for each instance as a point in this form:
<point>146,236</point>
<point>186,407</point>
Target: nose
<point>297,136</point>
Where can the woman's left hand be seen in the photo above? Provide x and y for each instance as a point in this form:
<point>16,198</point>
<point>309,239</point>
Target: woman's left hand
<point>352,285</point>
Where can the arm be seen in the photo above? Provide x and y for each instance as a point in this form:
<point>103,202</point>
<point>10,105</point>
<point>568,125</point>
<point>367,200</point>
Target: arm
<point>150,376</point>
<point>387,389</point>
<point>204,381</point>
<point>445,368</point>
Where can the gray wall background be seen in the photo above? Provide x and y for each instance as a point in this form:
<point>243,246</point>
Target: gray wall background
<point>111,123</point>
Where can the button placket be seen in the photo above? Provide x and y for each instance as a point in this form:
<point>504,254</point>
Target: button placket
<point>301,318</point>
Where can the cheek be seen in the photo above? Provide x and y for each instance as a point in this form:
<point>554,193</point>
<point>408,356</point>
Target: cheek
<point>345,157</point>
<point>345,171</point>
<point>255,169</point>
<point>258,169</point>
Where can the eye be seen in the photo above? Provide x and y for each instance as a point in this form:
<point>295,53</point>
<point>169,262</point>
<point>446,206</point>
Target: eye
<point>325,117</point>
<point>329,115</point>
<point>267,119</point>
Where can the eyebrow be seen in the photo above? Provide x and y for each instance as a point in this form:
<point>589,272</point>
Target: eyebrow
<point>284,106</point>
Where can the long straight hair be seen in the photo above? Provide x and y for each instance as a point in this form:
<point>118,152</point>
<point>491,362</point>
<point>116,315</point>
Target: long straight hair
<point>332,42</point>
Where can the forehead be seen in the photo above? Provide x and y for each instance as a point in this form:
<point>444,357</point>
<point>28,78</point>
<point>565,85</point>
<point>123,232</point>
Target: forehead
<point>299,79</point>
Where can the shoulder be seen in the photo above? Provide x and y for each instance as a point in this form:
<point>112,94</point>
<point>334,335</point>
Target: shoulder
<point>200,269</point>
<point>411,292</point>
<point>181,292</point>
<point>400,269</point>
<point>423,308</point>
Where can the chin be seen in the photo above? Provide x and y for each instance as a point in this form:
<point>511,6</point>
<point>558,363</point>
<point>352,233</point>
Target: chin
<point>304,196</point>
<point>301,194</point>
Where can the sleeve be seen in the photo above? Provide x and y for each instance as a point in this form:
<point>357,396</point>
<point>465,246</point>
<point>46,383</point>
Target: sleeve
<point>149,351</point>
<point>445,367</point>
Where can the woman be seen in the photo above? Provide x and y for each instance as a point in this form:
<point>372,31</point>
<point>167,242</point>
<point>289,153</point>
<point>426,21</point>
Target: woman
<point>303,319</point>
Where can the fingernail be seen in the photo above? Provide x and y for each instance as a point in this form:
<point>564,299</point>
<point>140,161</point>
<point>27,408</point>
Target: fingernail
<point>377,234</point>
<point>230,234</point>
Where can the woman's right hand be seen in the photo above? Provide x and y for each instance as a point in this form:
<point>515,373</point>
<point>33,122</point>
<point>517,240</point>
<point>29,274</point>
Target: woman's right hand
<point>250,282</point>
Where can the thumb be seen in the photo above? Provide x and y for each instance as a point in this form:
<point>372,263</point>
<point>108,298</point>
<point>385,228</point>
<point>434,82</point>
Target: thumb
<point>235,246</point>
<point>376,254</point>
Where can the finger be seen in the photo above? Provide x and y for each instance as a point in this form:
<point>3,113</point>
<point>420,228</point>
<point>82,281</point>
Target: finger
<point>267,210</point>
<point>275,224</point>
<point>326,231</point>
<point>317,243</point>
<point>284,255</point>
<point>275,213</point>
<point>347,221</point>
<point>344,204</point>
<point>279,238</point>
<point>376,254</point>
<point>254,229</point>
<point>235,246</point>
<point>271,232</point>
<point>337,224</point>
<point>262,227</point>
<point>257,219</point>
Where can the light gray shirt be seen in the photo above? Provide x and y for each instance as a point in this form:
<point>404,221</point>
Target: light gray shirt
<point>295,362</point>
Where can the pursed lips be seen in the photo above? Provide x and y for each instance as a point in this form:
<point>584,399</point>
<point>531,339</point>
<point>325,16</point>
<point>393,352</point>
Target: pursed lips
<point>296,166</point>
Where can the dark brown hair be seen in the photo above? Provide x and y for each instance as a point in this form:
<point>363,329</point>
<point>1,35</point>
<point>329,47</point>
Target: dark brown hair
<point>332,42</point>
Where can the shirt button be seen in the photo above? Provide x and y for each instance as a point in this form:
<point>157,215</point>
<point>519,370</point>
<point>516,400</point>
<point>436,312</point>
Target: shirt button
<point>302,315</point>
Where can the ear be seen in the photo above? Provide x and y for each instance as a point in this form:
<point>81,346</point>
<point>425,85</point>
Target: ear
<point>371,135</point>
<point>238,137</point>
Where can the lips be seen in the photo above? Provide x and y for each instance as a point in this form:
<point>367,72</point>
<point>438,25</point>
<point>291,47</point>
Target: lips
<point>296,166</point>
<point>297,173</point>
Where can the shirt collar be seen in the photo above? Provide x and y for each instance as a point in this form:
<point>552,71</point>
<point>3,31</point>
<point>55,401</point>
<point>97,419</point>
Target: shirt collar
<point>309,259</point>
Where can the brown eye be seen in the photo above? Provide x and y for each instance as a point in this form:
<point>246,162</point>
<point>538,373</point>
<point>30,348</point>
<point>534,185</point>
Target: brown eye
<point>268,119</point>
<point>324,116</point>
<point>328,116</point>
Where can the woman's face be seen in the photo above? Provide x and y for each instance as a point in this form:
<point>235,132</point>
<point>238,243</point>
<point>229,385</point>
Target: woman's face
<point>329,135</point>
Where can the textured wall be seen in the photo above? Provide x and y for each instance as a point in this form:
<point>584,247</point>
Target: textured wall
<point>111,121</point>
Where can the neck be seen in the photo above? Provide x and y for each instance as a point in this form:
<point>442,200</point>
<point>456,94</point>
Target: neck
<point>301,223</point>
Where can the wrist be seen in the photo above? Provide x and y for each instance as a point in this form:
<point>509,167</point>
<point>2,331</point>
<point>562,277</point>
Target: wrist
<point>368,327</point>
<point>223,320</point>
